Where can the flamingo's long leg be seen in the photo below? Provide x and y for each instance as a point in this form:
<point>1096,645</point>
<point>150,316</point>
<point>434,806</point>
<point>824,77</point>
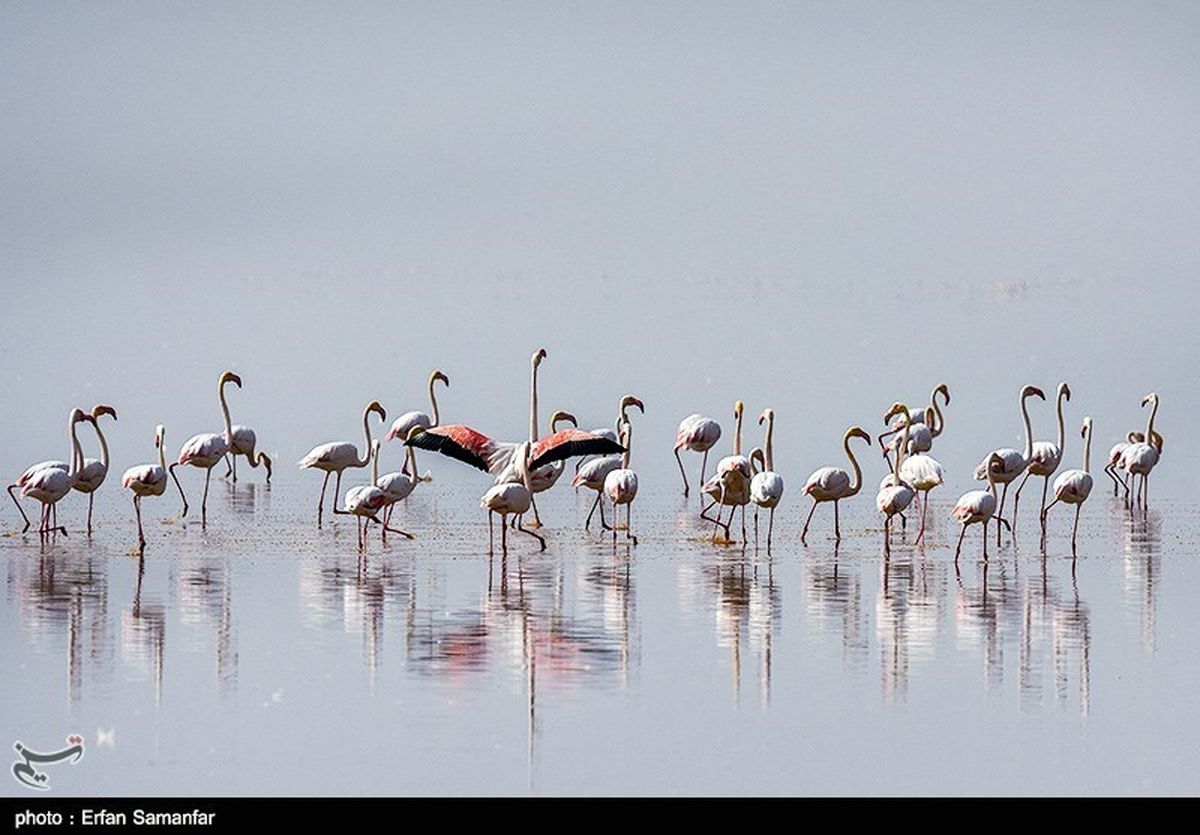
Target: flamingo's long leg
<point>770,528</point>
<point>175,478</point>
<point>1003,496</point>
<point>91,501</point>
<point>204,501</point>
<point>321,501</point>
<point>837,527</point>
<point>1075,527</point>
<point>20,509</point>
<point>1017,495</point>
<point>703,467</point>
<point>811,511</point>
<point>682,472</point>
<point>537,520</point>
<point>958,550</point>
<point>629,524</point>
<point>541,540</point>
<point>337,491</point>
<point>587,523</point>
<point>1042,514</point>
<point>137,509</point>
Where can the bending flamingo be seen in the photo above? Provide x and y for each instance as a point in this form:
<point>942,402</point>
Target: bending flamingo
<point>204,451</point>
<point>1074,486</point>
<point>148,480</point>
<point>1046,456</point>
<point>50,484</point>
<point>730,487</point>
<point>832,484</point>
<point>74,417</point>
<point>592,474</point>
<point>338,456</point>
<point>977,506</point>
<point>402,427</point>
<point>92,473</point>
<point>696,433</point>
<point>397,487</point>
<point>1140,458</point>
<point>895,497</point>
<point>1013,463</point>
<point>766,487</point>
<point>621,486</point>
<point>244,443</point>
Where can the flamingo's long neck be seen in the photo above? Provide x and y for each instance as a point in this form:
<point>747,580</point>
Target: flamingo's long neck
<point>737,436</point>
<point>162,459</point>
<point>627,435</point>
<point>433,401</point>
<point>856,484</point>
<point>1087,448</point>
<point>1061,435</point>
<point>935,415</point>
<point>533,421</point>
<point>991,481</point>
<point>103,446</point>
<point>367,434</point>
<point>1150,422</point>
<point>375,463</point>
<point>768,447</point>
<point>224,412</point>
<point>900,453</point>
<point>1028,428</point>
<point>76,452</point>
<point>522,460</point>
<point>412,461</point>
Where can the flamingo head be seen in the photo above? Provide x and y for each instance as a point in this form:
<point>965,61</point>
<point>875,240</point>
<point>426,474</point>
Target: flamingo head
<point>1032,391</point>
<point>1087,424</point>
<point>101,409</point>
<point>1150,398</point>
<point>538,356</point>
<point>436,376</point>
<point>266,462</point>
<point>563,416</point>
<point>77,415</point>
<point>229,377</point>
<point>738,408</point>
<point>630,401</point>
<point>995,462</point>
<point>857,432</point>
<point>898,408</point>
<point>758,455</point>
<point>945,391</point>
<point>374,406</point>
<point>1064,391</point>
<point>160,435</point>
<point>767,415</point>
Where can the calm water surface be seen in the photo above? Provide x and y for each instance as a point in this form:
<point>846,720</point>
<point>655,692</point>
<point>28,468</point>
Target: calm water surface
<point>260,656</point>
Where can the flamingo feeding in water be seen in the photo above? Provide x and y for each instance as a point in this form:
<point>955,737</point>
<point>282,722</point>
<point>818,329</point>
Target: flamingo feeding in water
<point>1074,486</point>
<point>1046,457</point>
<point>924,426</point>
<point>1140,458</point>
<point>621,486</point>
<point>895,497</point>
<point>50,484</point>
<point>766,487</point>
<point>592,474</point>
<point>696,433</point>
<point>149,480</point>
<point>832,484</point>
<point>74,417</point>
<point>402,426</point>
<point>398,486</point>
<point>364,502</point>
<point>204,451</point>
<point>730,487</point>
<point>92,472</point>
<point>338,456</point>
<point>1012,462</point>
<point>244,442</point>
<point>977,506</point>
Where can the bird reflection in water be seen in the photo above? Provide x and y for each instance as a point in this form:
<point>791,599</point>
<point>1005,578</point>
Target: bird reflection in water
<point>144,634</point>
<point>203,596</point>
<point>1142,564</point>
<point>907,617</point>
<point>833,603</point>
<point>247,498</point>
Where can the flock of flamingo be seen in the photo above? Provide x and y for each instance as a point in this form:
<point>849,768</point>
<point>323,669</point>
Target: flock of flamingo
<point>522,469</point>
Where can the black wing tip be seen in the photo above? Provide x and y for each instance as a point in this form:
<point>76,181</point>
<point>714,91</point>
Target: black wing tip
<point>448,447</point>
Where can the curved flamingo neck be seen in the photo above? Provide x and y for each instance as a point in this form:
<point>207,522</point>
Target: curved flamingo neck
<point>991,481</point>
<point>224,412</point>
<point>367,443</point>
<point>1150,423</point>
<point>1061,436</point>
<point>533,403</point>
<point>856,484</point>
<point>1087,449</point>
<point>1028,427</point>
<point>903,450</point>
<point>76,452</point>
<point>412,461</point>
<point>375,463</point>
<point>162,458</point>
<point>103,446</point>
<point>936,420</point>
<point>433,404</point>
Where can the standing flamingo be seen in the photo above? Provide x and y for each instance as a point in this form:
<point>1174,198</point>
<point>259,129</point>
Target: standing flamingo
<point>766,487</point>
<point>337,456</point>
<point>1074,486</point>
<point>696,433</point>
<point>149,480</point>
<point>895,497</point>
<point>75,416</point>
<point>1116,458</point>
<point>398,486</point>
<point>546,477</point>
<point>204,451</point>
<point>1046,456</point>
<point>923,473</point>
<point>592,474</point>
<point>1013,463</point>
<point>244,443</point>
<point>365,501</point>
<point>730,487</point>
<point>621,486</point>
<point>92,473</point>
<point>1139,459</point>
<point>832,484</point>
<point>50,484</point>
<point>510,497</point>
<point>402,427</point>
<point>926,424</point>
<point>976,506</point>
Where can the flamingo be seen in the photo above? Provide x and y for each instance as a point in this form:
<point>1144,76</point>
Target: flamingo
<point>976,506</point>
<point>365,501</point>
<point>766,486</point>
<point>149,480</point>
<point>509,497</point>
<point>75,416</point>
<point>897,496</point>
<point>1139,459</point>
<point>244,442</point>
<point>397,487</point>
<point>696,433</point>
<point>403,425</point>
<point>1074,486</point>
<point>50,484</point>
<point>1013,463</point>
<point>92,473</point>
<point>1046,456</point>
<point>204,451</point>
<point>832,484</point>
<point>613,433</point>
<point>337,456</point>
<point>546,477</point>
<point>731,484</point>
<point>1116,457</point>
<point>592,474</point>
<point>621,486</point>
<point>925,425</point>
<point>923,473</point>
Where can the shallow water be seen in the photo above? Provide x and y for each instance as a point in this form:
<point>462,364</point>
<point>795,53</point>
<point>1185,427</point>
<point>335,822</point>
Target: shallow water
<point>260,656</point>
